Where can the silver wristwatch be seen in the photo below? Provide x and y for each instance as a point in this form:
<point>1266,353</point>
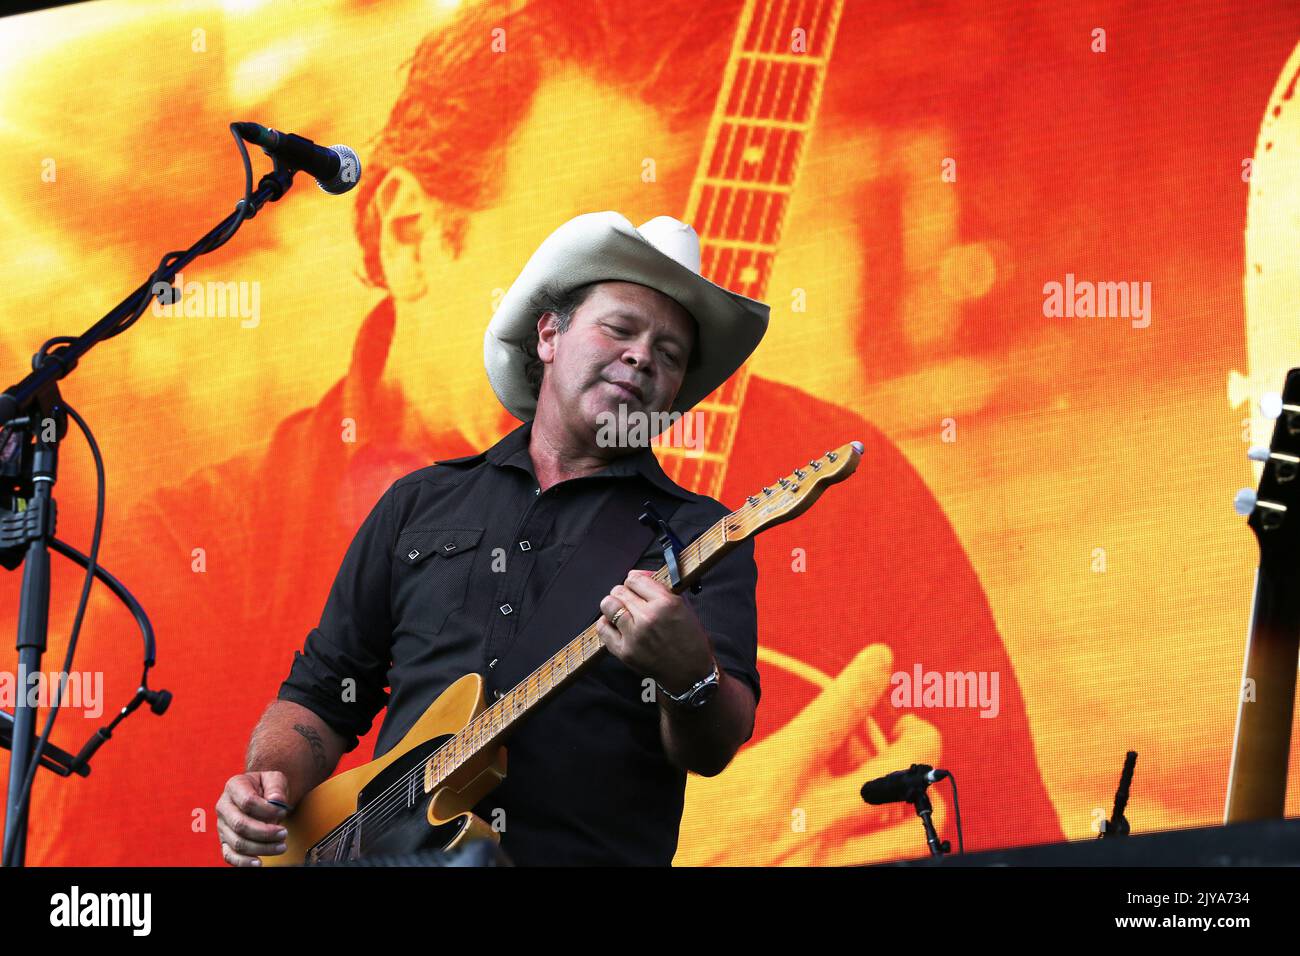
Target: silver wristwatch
<point>699,694</point>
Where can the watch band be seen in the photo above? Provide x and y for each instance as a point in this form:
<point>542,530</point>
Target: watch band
<point>688,697</point>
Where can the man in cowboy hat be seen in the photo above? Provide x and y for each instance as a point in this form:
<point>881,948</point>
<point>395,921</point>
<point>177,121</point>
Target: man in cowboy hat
<point>598,774</point>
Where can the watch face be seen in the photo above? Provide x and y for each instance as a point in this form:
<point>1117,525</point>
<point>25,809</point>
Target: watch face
<point>704,694</point>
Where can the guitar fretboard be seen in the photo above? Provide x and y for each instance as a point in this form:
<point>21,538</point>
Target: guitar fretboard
<point>740,196</point>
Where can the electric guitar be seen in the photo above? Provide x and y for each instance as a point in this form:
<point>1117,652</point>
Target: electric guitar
<point>1262,744</point>
<point>420,795</point>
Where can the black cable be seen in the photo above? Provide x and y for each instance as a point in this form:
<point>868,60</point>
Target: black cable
<point>202,247</point>
<point>956,809</point>
<point>34,764</point>
<point>120,591</point>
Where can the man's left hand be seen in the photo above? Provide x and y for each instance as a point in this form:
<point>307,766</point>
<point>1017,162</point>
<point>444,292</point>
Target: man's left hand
<point>657,633</point>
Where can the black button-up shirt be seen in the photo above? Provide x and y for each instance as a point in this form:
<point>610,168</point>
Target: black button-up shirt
<point>441,577</point>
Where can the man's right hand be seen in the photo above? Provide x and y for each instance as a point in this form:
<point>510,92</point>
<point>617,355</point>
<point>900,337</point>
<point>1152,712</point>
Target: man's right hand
<point>248,824</point>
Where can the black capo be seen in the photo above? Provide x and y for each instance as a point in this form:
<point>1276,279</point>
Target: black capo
<point>669,542</point>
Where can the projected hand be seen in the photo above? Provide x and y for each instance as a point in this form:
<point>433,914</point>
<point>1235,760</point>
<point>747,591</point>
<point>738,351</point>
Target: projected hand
<point>780,801</point>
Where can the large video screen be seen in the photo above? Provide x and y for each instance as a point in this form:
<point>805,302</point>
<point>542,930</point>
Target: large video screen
<point>1040,259</point>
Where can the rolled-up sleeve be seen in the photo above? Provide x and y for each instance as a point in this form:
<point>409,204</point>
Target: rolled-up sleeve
<point>727,608</point>
<point>341,672</point>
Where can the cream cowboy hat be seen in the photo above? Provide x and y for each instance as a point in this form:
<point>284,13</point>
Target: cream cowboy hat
<point>663,254</point>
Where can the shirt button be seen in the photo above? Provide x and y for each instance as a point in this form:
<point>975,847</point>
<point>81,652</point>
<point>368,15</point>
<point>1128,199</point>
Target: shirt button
<point>524,546</point>
<point>506,609</point>
<point>493,663</point>
<point>537,491</point>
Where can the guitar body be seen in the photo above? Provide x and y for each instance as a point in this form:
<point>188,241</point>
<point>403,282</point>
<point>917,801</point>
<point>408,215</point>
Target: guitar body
<point>413,818</point>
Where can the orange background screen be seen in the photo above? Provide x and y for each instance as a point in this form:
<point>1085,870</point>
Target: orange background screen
<point>1045,499</point>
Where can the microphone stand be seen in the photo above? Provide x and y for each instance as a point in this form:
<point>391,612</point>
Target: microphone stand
<point>921,801</point>
<point>1117,825</point>
<point>60,761</point>
<point>32,405</point>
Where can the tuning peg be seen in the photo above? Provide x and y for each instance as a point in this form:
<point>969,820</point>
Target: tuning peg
<point>1259,453</point>
<point>1244,503</point>
<point>857,446</point>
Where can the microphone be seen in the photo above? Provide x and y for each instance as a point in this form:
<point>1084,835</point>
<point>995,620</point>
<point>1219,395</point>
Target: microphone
<point>336,169</point>
<point>159,700</point>
<point>901,786</point>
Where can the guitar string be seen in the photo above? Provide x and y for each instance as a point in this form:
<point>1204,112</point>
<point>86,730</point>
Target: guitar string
<point>390,803</point>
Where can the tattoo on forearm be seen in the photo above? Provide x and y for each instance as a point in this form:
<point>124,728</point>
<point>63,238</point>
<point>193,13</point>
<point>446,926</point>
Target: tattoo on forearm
<point>317,745</point>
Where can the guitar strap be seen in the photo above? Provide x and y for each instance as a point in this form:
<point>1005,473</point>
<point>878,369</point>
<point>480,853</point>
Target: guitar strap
<point>601,560</point>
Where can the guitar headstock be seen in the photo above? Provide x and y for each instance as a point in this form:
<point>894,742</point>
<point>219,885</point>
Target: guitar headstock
<point>1274,509</point>
<point>791,496</point>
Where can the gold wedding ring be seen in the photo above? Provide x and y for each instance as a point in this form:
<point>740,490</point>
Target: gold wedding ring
<point>617,615</point>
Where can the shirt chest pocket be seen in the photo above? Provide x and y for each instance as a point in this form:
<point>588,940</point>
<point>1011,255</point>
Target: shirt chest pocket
<point>432,574</point>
